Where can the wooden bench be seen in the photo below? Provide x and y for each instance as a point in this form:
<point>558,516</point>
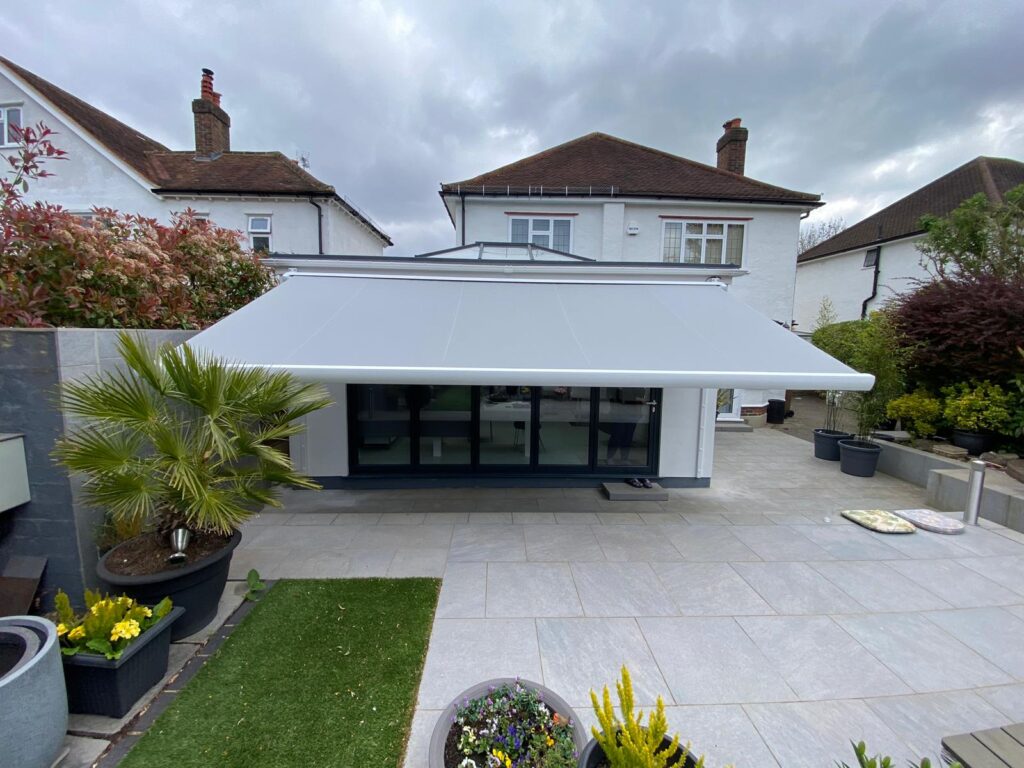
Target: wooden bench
<point>994,748</point>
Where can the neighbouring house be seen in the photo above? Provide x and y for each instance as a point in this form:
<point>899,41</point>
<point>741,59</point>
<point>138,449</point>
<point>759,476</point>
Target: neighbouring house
<point>278,205</point>
<point>869,263</point>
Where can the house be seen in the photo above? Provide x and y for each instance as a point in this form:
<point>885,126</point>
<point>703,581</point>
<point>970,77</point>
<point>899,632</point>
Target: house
<point>622,203</point>
<point>599,297</point>
<point>869,263</point>
<point>278,205</point>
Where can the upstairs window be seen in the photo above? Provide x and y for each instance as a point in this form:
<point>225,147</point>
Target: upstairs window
<point>548,233</point>
<point>10,126</point>
<point>702,242</point>
<point>871,256</point>
<point>259,233</point>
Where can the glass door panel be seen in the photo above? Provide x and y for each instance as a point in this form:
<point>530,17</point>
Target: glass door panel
<point>624,427</point>
<point>382,425</point>
<point>564,436</point>
<point>445,425</point>
<point>505,416</point>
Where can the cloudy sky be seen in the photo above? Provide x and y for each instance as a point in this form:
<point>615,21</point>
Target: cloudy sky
<point>862,102</point>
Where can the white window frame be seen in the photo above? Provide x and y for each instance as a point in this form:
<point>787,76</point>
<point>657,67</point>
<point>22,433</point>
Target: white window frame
<point>4,143</point>
<point>703,237</point>
<point>550,232</point>
<point>734,413</point>
<point>260,232</point>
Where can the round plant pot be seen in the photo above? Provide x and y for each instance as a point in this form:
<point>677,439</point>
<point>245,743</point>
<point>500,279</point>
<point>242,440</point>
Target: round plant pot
<point>976,443</point>
<point>435,756</point>
<point>593,756</point>
<point>196,587</point>
<point>33,704</point>
<point>858,457</point>
<point>826,443</point>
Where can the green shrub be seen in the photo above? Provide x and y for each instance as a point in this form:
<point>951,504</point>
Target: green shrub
<point>920,412</point>
<point>864,761</point>
<point>978,407</point>
<point>841,340</point>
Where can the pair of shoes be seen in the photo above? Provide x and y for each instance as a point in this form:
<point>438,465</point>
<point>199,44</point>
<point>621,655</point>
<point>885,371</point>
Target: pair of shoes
<point>636,483</point>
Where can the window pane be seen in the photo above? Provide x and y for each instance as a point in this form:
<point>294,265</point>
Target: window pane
<point>3,126</point>
<point>261,242</point>
<point>623,427</point>
<point>505,414</point>
<point>520,230</point>
<point>734,245</point>
<point>564,436</point>
<point>694,229</point>
<point>692,254</point>
<point>673,241</point>
<point>716,229</point>
<point>445,424</point>
<point>13,126</point>
<point>543,240</point>
<point>259,224</point>
<point>541,225</point>
<point>561,235</point>
<point>713,251</point>
<point>382,424</point>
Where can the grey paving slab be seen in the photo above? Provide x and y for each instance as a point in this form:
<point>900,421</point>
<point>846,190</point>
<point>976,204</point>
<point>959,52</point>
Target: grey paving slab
<point>577,518</point>
<point>418,563</point>
<point>268,517</point>
<point>1008,699</point>
<point>921,720</point>
<point>722,733</point>
<point>311,518</point>
<point>580,655</point>
<point>417,748</point>
<point>82,751</point>
<point>708,543</point>
<point>263,559</point>
<point>561,543</point>
<point>1007,571</point>
<point>369,563</point>
<point>356,517</point>
<point>619,517</point>
<point>482,543</point>
<point>491,518</point>
<point>530,590</point>
<point>796,588</point>
<point>987,543</point>
<point>879,588</point>
<point>848,542</point>
<point>634,543</point>
<point>394,536</point>
<point>620,589</point>
<point>779,542</point>
<point>994,633</point>
<point>819,660</point>
<point>922,545</point>
<point>402,518</point>
<point>704,518</point>
<point>712,661</point>
<point>709,589</point>
<point>534,518</point>
<point>923,655</point>
<point>464,652</point>
<point>817,734</point>
<point>463,591</point>
<point>957,585</point>
<point>306,538</point>
<point>1016,610</point>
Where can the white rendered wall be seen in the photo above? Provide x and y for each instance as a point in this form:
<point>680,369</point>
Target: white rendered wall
<point>680,433</point>
<point>322,450</point>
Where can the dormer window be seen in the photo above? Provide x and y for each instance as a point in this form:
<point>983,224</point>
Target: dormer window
<point>10,125</point>
<point>259,232</point>
<point>702,242</point>
<point>554,233</point>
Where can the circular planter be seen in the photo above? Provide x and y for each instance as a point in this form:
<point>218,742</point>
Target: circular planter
<point>858,457</point>
<point>976,443</point>
<point>435,756</point>
<point>33,704</point>
<point>196,587</point>
<point>826,443</point>
<point>593,756</point>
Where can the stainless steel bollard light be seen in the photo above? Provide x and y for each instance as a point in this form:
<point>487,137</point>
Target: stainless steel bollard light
<point>975,485</point>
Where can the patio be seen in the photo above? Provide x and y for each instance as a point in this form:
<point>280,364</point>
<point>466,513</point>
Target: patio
<point>775,630</point>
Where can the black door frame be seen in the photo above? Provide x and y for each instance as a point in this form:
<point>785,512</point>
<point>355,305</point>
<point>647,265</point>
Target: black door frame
<point>475,469</point>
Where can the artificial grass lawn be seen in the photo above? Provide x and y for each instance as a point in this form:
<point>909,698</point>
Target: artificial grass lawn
<point>321,673</point>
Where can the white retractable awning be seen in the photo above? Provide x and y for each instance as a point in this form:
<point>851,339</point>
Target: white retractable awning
<point>388,329</point>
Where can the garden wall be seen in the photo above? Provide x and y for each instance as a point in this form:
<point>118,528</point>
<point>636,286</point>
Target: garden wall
<point>54,524</point>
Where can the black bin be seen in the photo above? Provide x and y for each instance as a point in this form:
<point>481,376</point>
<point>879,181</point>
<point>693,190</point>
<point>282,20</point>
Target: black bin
<point>776,411</point>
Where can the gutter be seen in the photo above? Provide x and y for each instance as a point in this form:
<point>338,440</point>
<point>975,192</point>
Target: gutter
<point>319,226</point>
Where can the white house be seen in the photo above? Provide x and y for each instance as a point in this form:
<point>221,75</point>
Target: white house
<point>278,205</point>
<point>869,263</point>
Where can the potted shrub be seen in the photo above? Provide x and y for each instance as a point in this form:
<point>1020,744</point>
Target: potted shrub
<point>113,652</point>
<point>919,412</point>
<point>503,723</point>
<point>178,441</point>
<point>626,742</point>
<point>977,412</point>
<point>826,439</point>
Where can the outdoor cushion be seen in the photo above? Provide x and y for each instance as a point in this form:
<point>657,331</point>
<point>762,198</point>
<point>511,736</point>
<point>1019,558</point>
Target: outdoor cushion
<point>878,520</point>
<point>930,520</point>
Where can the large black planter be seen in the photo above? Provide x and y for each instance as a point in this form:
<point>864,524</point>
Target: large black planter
<point>196,587</point>
<point>435,755</point>
<point>826,443</point>
<point>593,756</point>
<point>101,686</point>
<point>858,457</point>
<point>976,443</point>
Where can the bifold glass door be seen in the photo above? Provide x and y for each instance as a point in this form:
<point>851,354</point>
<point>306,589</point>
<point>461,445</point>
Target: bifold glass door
<point>509,429</point>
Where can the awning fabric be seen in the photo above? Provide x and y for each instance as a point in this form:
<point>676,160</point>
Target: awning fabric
<point>427,330</point>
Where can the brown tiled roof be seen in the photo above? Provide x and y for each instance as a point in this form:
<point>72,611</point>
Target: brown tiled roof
<point>993,176</point>
<point>601,164</point>
<point>253,173</point>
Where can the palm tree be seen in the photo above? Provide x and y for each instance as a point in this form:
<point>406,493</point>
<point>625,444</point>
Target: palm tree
<point>179,438</point>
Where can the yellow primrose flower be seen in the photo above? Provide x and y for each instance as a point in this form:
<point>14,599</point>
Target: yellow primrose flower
<point>551,742</point>
<point>61,630</point>
<point>503,759</point>
<point>77,633</point>
<point>147,612</point>
<point>127,629</point>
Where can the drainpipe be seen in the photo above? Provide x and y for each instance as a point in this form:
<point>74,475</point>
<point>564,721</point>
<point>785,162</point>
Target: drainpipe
<point>462,198</point>
<point>874,285</point>
<point>319,225</point>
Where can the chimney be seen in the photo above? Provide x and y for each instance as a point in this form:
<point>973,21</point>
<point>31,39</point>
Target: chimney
<point>213,126</point>
<point>732,147</point>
